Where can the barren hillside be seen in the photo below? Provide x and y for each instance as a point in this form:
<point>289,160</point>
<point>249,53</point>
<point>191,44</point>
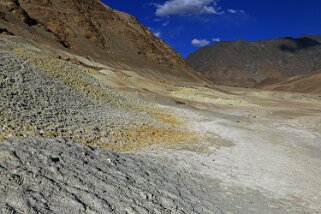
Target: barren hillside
<point>95,31</point>
<point>253,64</point>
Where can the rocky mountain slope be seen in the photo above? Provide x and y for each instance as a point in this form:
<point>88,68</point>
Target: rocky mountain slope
<point>93,30</point>
<point>253,64</point>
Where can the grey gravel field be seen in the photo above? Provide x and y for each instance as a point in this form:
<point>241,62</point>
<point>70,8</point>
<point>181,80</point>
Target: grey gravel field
<point>57,176</point>
<point>30,93</point>
<point>33,103</point>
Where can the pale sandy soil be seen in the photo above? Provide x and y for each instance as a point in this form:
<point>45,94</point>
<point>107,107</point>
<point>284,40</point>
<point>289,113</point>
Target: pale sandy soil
<point>261,142</point>
<point>274,150</point>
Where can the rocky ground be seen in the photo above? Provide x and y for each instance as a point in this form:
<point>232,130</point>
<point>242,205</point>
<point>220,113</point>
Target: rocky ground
<point>44,96</point>
<point>275,141</point>
<point>58,176</point>
<point>78,140</point>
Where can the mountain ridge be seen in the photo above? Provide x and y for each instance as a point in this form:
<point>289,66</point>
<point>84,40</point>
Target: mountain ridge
<point>257,63</point>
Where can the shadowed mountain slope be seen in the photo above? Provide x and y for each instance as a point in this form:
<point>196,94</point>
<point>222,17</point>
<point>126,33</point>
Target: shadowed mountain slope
<point>254,64</point>
<point>93,30</point>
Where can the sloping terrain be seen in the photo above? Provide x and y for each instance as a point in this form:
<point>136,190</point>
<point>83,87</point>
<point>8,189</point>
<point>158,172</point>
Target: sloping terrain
<point>88,123</point>
<point>92,139</point>
<point>105,182</point>
<point>305,84</point>
<point>254,64</point>
<point>57,176</point>
<point>44,96</point>
<point>94,31</point>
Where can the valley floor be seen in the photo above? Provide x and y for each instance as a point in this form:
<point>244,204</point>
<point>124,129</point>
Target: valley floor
<point>158,147</point>
<point>256,151</point>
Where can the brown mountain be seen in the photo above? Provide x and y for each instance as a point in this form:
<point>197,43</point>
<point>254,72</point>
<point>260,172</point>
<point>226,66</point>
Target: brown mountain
<point>304,84</point>
<point>254,64</point>
<point>91,29</point>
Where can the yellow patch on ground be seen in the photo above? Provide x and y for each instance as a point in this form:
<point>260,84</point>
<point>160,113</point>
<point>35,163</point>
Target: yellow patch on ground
<point>135,138</point>
<point>169,130</point>
<point>204,95</point>
<point>119,139</point>
<point>75,76</point>
<point>285,96</point>
<point>166,118</point>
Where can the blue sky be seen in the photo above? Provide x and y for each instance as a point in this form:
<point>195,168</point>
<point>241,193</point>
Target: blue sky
<point>189,24</point>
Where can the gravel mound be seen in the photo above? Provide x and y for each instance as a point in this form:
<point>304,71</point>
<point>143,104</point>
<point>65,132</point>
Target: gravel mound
<point>49,97</point>
<point>33,103</point>
<point>56,176</point>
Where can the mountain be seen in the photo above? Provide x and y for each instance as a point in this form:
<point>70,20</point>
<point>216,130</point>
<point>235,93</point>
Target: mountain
<point>305,84</point>
<point>93,30</point>
<point>255,64</point>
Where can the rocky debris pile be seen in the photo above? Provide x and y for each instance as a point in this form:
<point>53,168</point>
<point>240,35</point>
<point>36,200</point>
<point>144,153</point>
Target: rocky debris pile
<point>49,97</point>
<point>35,104</point>
<point>57,176</point>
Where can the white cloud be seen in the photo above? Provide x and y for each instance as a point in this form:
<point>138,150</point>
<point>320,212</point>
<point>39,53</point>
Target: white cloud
<point>216,39</point>
<point>200,42</point>
<point>181,7</point>
<point>232,11</point>
<point>157,34</point>
<point>165,23</point>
